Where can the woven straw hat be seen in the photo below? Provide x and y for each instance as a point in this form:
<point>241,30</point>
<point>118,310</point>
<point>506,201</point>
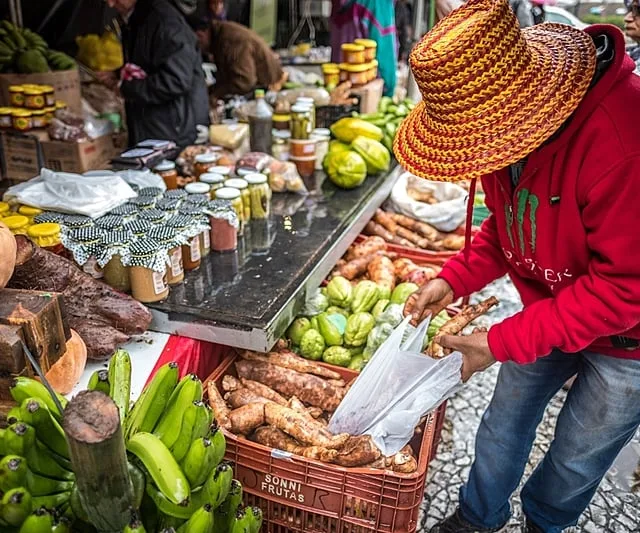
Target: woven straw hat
<point>491,93</point>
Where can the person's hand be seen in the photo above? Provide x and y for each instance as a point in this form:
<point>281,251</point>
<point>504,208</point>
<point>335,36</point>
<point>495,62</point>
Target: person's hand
<point>444,7</point>
<point>476,355</point>
<point>108,79</point>
<point>341,95</point>
<point>429,299</point>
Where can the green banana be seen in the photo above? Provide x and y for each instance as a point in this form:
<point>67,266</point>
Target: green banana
<point>242,521</point>
<point>169,508</point>
<point>16,506</point>
<point>169,522</point>
<point>40,521</point>
<point>19,438</point>
<point>34,40</point>
<point>99,381</point>
<point>182,443</point>
<point>13,472</point>
<point>203,456</point>
<point>43,461</point>
<point>76,505</point>
<point>13,415</point>
<point>152,402</point>
<point>202,521</point>
<point>35,413</point>
<point>43,486</point>
<point>120,381</point>
<point>217,487</point>
<point>162,467</point>
<point>229,507</point>
<point>188,390</point>
<point>203,422</point>
<point>3,443</point>
<point>61,525</point>
<point>216,436</point>
<point>51,501</point>
<point>255,523</point>
<point>24,388</point>
<point>167,530</point>
<point>135,524</point>
<point>138,482</point>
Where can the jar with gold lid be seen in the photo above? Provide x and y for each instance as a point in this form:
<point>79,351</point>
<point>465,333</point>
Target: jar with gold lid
<point>147,262</point>
<point>22,120</point>
<point>39,119</point>
<point>16,95</point>
<point>370,48</point>
<point>34,98</point>
<point>49,95</point>
<point>47,236</point>
<point>17,224</point>
<point>5,209</point>
<point>353,53</point>
<point>6,114</point>
<point>29,211</point>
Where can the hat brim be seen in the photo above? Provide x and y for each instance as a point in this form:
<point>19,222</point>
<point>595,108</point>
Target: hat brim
<point>511,125</point>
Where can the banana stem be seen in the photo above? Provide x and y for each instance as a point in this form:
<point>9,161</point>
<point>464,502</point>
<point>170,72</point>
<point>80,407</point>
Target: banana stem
<point>98,455</point>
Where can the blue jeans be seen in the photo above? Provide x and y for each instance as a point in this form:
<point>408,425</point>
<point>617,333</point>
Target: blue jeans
<point>600,415</point>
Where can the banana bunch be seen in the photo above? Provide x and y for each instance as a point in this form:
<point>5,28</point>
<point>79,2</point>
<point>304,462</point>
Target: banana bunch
<point>24,51</point>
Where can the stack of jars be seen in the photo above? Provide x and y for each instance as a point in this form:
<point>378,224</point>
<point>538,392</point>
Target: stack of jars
<point>308,145</point>
<point>359,65</point>
<point>32,107</point>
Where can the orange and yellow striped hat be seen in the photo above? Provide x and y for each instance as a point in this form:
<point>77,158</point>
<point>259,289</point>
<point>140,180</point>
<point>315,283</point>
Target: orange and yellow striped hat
<point>491,92</point>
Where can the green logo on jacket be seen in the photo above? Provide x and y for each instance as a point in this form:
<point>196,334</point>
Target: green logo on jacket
<point>523,199</point>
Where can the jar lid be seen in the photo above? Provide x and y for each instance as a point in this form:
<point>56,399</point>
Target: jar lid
<point>374,63</point>
<point>330,68</point>
<point>322,132</point>
<point>152,215</point>
<point>150,191</point>
<point>237,183</point>
<point>305,100</point>
<point>77,221</point>
<point>255,179</point>
<point>227,193</point>
<point>138,227</point>
<point>162,234</point>
<point>124,210</point>
<point>211,178</point>
<point>167,204</point>
<point>165,165</point>
<point>21,113</point>
<point>367,43</point>
<point>284,135</point>
<point>46,88</point>
<point>196,188</point>
<point>149,254</point>
<point>109,222</point>
<point>300,108</point>
<point>192,209</point>
<point>6,110</point>
<point>356,68</point>
<point>89,235</point>
<point>47,229</point>
<point>175,193</point>
<point>4,207</point>
<point>222,171</point>
<point>16,88</point>
<point>143,201</point>
<point>281,118</point>
<point>223,209</point>
<point>206,158</point>
<point>178,222</point>
<point>242,172</point>
<point>33,91</point>
<point>47,216</point>
<point>119,237</point>
<point>195,200</point>
<point>15,221</point>
<point>352,47</point>
<point>29,211</point>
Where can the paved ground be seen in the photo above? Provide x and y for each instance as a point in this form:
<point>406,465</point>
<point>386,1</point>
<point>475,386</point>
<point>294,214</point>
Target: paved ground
<point>615,508</point>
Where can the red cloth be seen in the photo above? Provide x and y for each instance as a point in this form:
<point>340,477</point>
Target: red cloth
<point>569,234</point>
<point>193,356</point>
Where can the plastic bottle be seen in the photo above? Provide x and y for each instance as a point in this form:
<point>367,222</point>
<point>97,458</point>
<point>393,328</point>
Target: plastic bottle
<point>260,125</point>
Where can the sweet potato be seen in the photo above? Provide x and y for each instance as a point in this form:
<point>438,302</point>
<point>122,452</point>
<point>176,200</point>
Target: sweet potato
<point>412,237</point>
<point>218,405</point>
<point>275,438</point>
<point>367,247</point>
<point>263,390</point>
<point>422,228</point>
<point>247,418</point>
<point>287,359</point>
<point>382,272</point>
<point>385,221</point>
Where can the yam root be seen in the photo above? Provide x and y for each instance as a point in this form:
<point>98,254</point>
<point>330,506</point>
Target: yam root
<point>373,228</point>
<point>230,383</point>
<point>247,418</point>
<point>412,237</point>
<point>369,246</point>
<point>404,462</point>
<point>312,412</point>
<point>218,406</point>
<point>382,272</point>
<point>358,451</point>
<point>301,427</point>
<point>241,397</point>
<point>275,438</point>
<point>385,221</point>
<point>263,390</point>
<point>312,390</point>
<point>337,382</point>
<point>417,226</point>
<point>459,322</point>
<point>287,359</point>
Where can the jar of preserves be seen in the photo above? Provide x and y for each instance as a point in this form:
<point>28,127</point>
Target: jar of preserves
<point>224,226</point>
<point>281,122</point>
<point>331,73</point>
<point>281,148</point>
<point>195,201</point>
<point>49,114</point>
<point>151,192</point>
<point>214,181</point>
<point>22,120</point>
<point>138,227</point>
<point>221,170</point>
<point>60,105</point>
<point>126,211</point>
<point>305,165</point>
<point>47,236</point>
<point>188,229</point>
<point>197,188</point>
<point>322,137</point>
<point>47,217</point>
<point>113,259</point>
<point>373,73</point>
<point>6,114</point>
<point>370,48</point>
<point>17,224</point>
<point>5,210</point>
<point>177,194</point>
<point>168,238</point>
<point>49,95</point>
<point>109,222</point>
<point>155,215</point>
<point>77,222</point>
<point>143,202</point>
<point>29,212</point>
<point>353,53</point>
<point>168,205</point>
<point>260,195</point>
<point>147,263</point>
<point>233,195</point>
<point>167,171</point>
<point>39,118</point>
<point>311,104</point>
<point>34,98</point>
<point>344,75</point>
<point>242,185</point>
<point>300,122</point>
<point>16,95</point>
<point>85,244</point>
<point>358,75</point>
<point>203,162</point>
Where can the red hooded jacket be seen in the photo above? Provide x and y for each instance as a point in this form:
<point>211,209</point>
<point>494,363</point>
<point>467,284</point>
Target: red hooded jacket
<point>569,233</point>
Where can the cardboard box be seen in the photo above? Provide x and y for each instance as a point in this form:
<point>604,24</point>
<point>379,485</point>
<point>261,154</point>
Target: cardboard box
<point>66,83</point>
<point>22,157</point>
<point>370,95</point>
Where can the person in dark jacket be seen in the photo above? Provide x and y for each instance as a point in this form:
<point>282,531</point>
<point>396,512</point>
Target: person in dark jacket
<point>167,98</point>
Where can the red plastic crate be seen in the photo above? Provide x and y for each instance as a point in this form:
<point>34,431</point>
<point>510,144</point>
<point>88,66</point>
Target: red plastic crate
<point>299,495</point>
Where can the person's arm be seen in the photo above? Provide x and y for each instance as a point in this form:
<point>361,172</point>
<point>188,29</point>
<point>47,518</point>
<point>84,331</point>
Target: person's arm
<point>174,75</point>
<point>486,261</point>
<point>603,302</point>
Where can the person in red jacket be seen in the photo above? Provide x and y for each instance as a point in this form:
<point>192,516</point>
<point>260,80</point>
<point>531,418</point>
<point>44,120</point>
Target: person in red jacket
<point>543,116</point>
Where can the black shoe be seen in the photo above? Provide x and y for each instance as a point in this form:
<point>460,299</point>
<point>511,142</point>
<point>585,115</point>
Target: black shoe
<point>456,524</point>
<point>530,527</point>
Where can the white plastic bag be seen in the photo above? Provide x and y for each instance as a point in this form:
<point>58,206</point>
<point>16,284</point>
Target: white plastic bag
<point>93,196</point>
<point>447,215</point>
<point>396,389</point>
<point>142,178</point>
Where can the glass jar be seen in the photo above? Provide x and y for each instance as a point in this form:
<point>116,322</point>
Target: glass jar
<point>202,162</point>
<point>29,211</point>
<point>221,170</point>
<point>49,95</point>
<point>260,195</point>
<point>151,192</point>
<point>233,195</point>
<point>85,244</point>
<point>300,122</point>
<point>280,147</point>
<point>138,227</point>
<point>17,224</point>
<point>39,118</point>
<point>353,53</point>
<point>167,171</point>
<point>47,236</point>
<point>322,136</point>
<point>109,222</point>
<point>16,95</point>
<point>331,73</point>
<point>242,185</point>
<point>167,237</point>
<point>182,224</point>
<point>116,273</point>
<point>358,75</point>
<point>60,105</point>
<point>195,201</point>
<point>214,181</point>
<point>197,188</point>
<point>373,72</point>
<point>6,114</point>
<point>224,226</point>
<point>281,122</point>
<point>155,215</point>
<point>370,48</point>
<point>311,104</point>
<point>22,120</point>
<point>34,98</point>
<point>77,222</point>
<point>177,194</point>
<point>148,271</point>
<point>49,114</point>
<point>143,202</point>
<point>46,217</point>
<point>168,205</point>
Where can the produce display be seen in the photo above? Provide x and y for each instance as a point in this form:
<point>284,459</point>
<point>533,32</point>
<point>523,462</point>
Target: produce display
<point>175,459</point>
<point>411,233</point>
<point>25,52</point>
<point>283,401</point>
<point>388,117</point>
<point>100,53</point>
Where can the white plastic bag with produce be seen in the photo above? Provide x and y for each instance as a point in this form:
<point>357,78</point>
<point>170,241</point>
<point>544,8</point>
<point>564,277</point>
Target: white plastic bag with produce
<point>396,389</point>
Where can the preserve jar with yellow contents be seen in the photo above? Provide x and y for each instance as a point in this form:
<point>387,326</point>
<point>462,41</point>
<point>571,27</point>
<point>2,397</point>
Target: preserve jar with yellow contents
<point>47,236</point>
<point>115,248</point>
<point>260,195</point>
<point>34,98</point>
<point>331,73</point>
<point>5,209</point>
<point>242,185</point>
<point>358,75</point>
<point>16,95</point>
<point>21,119</point>
<point>29,211</point>
<point>370,48</point>
<point>17,224</point>
<point>147,261</point>
<point>353,53</point>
